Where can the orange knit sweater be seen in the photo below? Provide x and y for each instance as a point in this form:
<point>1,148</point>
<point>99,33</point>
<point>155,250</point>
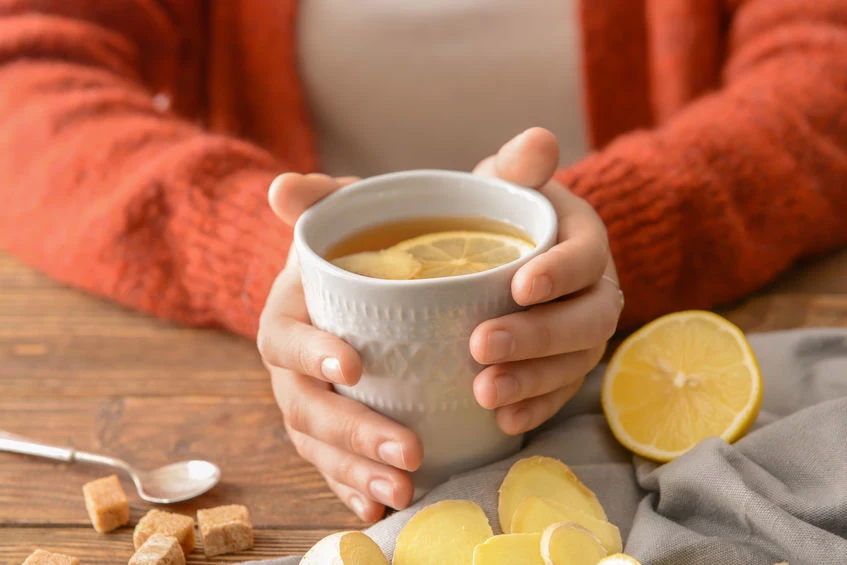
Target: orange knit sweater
<point>720,128</point>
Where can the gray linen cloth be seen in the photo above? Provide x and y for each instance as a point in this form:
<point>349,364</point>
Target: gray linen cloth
<point>778,494</point>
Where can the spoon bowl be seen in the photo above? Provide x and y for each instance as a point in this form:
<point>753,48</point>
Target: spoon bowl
<point>176,482</point>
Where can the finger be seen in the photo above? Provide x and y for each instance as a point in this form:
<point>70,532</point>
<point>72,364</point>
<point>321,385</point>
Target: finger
<point>290,344</point>
<point>529,414</point>
<point>366,509</point>
<point>508,383</point>
<point>382,483</point>
<point>570,266</point>
<point>283,386</point>
<point>291,194</point>
<point>344,423</point>
<point>529,159</point>
<point>286,297</point>
<point>487,167</point>
<point>581,322</point>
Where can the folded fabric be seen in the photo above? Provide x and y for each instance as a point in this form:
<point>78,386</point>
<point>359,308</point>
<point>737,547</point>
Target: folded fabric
<point>778,494</point>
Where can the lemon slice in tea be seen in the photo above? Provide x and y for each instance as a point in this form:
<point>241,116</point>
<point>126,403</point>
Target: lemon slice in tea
<point>678,380</point>
<point>386,264</point>
<point>453,253</point>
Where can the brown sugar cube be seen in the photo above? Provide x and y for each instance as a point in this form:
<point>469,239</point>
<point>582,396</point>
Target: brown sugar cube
<point>159,522</point>
<point>159,549</point>
<point>41,557</point>
<point>225,529</point>
<point>106,503</point>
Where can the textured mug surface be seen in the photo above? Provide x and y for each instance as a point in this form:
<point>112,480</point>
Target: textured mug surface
<point>413,336</point>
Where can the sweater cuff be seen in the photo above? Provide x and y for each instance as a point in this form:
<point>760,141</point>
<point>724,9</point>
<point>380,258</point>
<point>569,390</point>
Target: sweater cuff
<point>642,222</point>
<point>240,247</point>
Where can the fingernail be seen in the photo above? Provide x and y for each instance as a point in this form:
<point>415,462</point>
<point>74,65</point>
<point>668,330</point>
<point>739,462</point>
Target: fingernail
<point>382,491</point>
<point>358,506</point>
<point>331,370</point>
<point>391,452</point>
<point>507,389</point>
<point>501,344</point>
<point>541,289</point>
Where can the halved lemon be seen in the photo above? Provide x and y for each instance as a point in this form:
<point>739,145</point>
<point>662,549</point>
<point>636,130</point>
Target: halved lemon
<point>678,380</point>
<point>452,253</point>
<point>385,264</point>
<point>618,559</point>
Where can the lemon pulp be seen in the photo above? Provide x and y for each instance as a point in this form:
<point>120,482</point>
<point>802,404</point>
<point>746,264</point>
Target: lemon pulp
<point>385,264</point>
<point>440,254</point>
<point>678,380</point>
<point>452,253</point>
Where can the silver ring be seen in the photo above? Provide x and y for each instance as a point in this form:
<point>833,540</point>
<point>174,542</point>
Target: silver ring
<point>617,286</point>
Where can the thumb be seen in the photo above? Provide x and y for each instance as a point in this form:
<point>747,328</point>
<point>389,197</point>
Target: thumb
<point>529,159</point>
<point>291,194</point>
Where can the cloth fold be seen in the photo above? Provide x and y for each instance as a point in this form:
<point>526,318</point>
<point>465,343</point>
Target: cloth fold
<point>778,494</point>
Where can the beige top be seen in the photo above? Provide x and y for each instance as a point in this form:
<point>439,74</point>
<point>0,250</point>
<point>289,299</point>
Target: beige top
<point>396,84</point>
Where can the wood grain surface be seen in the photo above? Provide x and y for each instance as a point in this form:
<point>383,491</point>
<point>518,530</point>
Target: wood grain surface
<point>78,371</point>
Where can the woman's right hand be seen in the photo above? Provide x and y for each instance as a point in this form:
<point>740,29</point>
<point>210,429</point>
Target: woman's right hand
<point>364,456</point>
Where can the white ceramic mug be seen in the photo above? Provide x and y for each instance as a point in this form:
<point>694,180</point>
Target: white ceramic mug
<point>413,336</point>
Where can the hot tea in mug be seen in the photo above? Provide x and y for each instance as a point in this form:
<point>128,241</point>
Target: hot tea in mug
<point>430,247</point>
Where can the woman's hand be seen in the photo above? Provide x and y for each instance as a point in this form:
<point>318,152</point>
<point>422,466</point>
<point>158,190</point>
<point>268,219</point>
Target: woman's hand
<point>537,359</point>
<point>364,456</point>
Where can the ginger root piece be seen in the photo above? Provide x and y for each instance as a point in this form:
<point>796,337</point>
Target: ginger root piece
<point>345,548</point>
<point>442,533</point>
<point>570,544</point>
<point>544,477</point>
<point>535,514</point>
<point>509,549</point>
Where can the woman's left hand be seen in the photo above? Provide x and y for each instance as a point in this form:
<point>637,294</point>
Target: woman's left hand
<point>538,358</point>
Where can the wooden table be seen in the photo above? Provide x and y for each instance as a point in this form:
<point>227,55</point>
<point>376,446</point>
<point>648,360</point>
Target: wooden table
<point>75,370</point>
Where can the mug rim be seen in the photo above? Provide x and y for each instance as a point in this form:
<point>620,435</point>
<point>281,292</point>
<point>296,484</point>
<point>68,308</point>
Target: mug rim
<point>547,239</point>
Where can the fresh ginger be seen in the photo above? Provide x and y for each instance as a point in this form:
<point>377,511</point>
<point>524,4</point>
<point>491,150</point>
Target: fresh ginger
<point>544,477</point>
<point>345,548</point>
<point>509,549</point>
<point>535,514</point>
<point>442,533</point>
<point>570,544</point>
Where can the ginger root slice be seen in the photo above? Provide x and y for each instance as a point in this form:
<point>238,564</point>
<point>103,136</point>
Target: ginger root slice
<point>544,477</point>
<point>509,549</point>
<point>570,544</point>
<point>442,533</point>
<point>535,514</point>
<point>345,548</point>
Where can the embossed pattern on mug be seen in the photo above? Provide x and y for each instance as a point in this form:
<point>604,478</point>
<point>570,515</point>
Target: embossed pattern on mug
<point>410,364</point>
<point>353,317</point>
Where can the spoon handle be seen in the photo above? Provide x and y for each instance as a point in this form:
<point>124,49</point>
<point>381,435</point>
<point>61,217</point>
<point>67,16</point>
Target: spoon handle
<point>17,444</point>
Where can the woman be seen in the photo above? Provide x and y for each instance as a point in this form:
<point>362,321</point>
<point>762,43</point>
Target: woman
<point>708,139</point>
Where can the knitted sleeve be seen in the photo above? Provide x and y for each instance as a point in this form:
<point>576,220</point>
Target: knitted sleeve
<point>106,191</point>
<point>742,183</point>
